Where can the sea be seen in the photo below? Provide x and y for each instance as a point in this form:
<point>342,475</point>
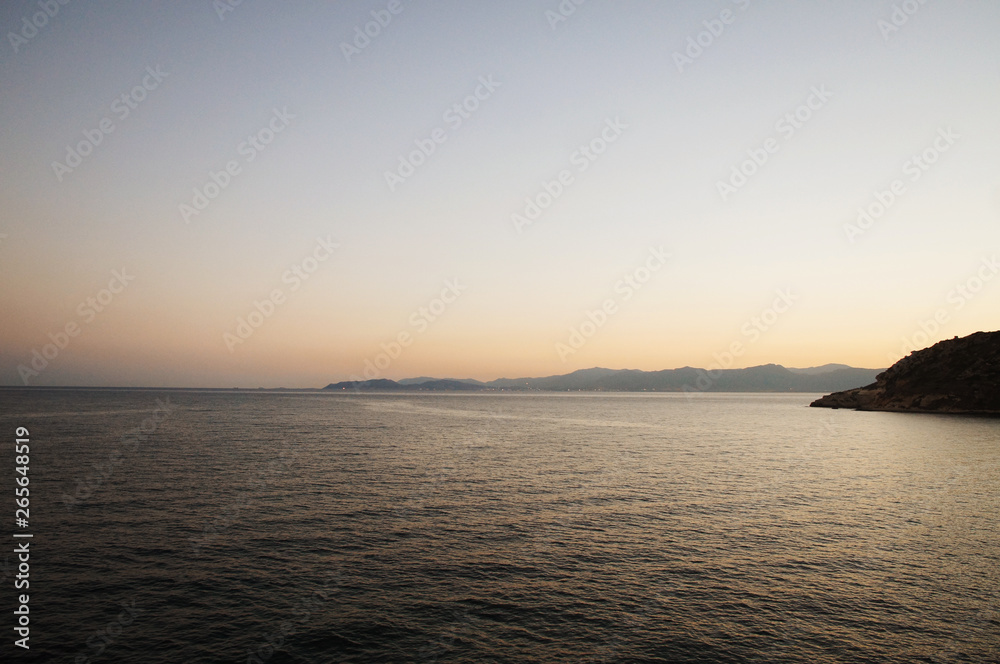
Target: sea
<point>282,526</point>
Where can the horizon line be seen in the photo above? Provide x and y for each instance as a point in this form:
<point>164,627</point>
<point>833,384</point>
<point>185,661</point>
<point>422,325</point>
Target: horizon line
<point>364,380</point>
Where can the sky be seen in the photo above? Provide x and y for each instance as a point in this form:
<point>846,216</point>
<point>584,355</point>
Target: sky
<point>212,194</point>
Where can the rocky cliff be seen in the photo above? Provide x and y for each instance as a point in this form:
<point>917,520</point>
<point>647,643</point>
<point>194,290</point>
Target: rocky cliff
<point>953,376</point>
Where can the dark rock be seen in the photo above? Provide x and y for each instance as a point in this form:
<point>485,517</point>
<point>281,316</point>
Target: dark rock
<point>953,376</point>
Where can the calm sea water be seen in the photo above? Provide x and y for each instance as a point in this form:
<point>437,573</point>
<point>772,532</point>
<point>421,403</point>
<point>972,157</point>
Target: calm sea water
<point>309,527</point>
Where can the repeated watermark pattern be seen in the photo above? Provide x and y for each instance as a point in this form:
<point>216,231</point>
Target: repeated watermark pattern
<point>625,289</point>
<point>223,7</point>
<point>107,636</point>
<point>294,277</point>
<point>454,117</point>
<point>580,160</point>
<point>449,634</point>
<point>464,624</point>
<point>899,17</point>
<point>364,34</point>
<point>249,149</point>
<point>31,25</point>
<point>233,511</point>
<point>714,29</point>
<point>304,611</point>
<point>913,168</point>
<point>751,332</point>
<point>786,127</point>
<point>957,297</point>
<point>88,311</point>
<point>128,446</point>
<point>122,107</point>
<point>563,11</point>
<point>636,623</point>
<point>420,321</point>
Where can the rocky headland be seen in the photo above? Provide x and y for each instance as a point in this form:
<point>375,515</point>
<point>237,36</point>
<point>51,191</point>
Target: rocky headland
<point>960,375</point>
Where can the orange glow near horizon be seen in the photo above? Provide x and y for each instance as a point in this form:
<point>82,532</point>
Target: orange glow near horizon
<point>587,204</point>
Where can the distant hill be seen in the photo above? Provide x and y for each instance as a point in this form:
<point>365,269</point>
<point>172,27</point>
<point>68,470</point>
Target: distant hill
<point>765,378</point>
<point>447,385</point>
<point>814,371</point>
<point>584,379</point>
<point>383,385</point>
<point>366,385</point>
<point>426,379</point>
<point>952,376</point>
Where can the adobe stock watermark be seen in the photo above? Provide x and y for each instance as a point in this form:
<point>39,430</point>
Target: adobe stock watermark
<point>913,168</point>
<point>581,159</point>
<point>86,487</point>
<point>751,332</point>
<point>297,274</point>
<point>824,431</point>
<point>562,12</point>
<point>249,149</point>
<point>454,117</point>
<point>106,636</point>
<point>714,28</point>
<point>87,311</point>
<point>626,288</point>
<point>363,35</point>
<point>229,515</point>
<point>957,297</point>
<point>637,623</point>
<point>223,7</point>
<point>899,17</point>
<point>464,627</point>
<point>974,639</point>
<point>420,320</point>
<point>122,107</point>
<point>303,611</point>
<point>30,27</point>
<point>787,126</point>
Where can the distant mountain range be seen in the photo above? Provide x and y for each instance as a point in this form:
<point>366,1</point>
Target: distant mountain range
<point>765,378</point>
